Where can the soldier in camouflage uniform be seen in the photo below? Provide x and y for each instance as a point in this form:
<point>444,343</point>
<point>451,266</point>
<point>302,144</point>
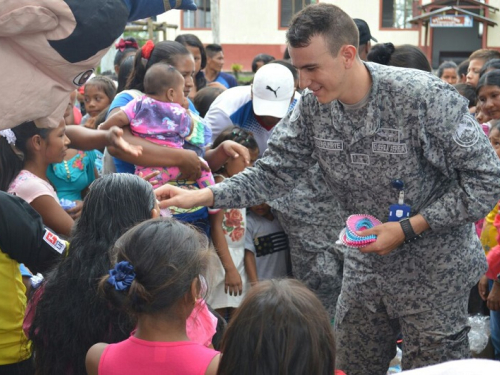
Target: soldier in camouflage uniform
<point>367,125</point>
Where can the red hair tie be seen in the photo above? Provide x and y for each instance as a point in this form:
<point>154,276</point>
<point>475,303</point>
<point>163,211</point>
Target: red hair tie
<point>123,44</point>
<point>147,49</point>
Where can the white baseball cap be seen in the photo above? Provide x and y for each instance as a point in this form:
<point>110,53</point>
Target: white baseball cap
<point>272,89</point>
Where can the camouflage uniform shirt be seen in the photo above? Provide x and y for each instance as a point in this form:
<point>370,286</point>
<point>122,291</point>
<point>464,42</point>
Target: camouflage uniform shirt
<point>413,127</point>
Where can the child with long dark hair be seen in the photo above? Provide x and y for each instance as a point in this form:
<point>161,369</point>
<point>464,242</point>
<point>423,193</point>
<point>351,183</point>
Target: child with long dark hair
<point>70,317</point>
<point>25,154</point>
<point>157,277</point>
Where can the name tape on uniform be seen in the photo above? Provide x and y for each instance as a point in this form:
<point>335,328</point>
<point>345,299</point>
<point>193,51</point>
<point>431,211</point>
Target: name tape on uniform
<point>389,148</point>
<point>329,144</point>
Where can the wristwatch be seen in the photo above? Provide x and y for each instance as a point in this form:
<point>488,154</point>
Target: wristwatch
<point>408,231</point>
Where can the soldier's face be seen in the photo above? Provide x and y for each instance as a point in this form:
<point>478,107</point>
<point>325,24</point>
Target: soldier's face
<point>319,71</point>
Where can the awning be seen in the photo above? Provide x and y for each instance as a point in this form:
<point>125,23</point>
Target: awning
<point>425,17</point>
<point>479,4</point>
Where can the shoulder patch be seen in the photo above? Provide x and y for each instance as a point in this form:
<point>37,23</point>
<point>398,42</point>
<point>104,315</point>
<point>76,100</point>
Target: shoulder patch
<point>468,132</point>
<point>54,241</point>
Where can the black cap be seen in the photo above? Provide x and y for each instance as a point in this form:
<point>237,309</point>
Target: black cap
<point>364,31</point>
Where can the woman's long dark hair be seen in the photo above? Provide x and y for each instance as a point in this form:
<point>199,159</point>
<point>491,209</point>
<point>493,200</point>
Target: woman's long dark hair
<point>166,51</point>
<point>192,40</point>
<point>70,316</point>
<point>10,162</point>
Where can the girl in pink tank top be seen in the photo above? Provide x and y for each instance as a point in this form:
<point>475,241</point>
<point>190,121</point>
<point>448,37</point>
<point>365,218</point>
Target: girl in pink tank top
<point>157,277</point>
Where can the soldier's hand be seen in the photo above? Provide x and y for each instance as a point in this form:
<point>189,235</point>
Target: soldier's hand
<point>389,236</point>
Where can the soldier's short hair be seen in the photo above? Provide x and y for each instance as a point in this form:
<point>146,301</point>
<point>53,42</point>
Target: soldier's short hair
<point>326,20</point>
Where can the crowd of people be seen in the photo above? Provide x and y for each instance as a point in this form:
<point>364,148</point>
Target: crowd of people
<point>177,222</point>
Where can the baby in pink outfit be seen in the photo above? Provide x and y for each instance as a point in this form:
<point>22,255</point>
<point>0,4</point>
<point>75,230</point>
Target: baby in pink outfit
<point>159,116</point>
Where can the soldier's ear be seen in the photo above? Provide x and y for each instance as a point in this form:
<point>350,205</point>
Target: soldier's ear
<point>348,54</point>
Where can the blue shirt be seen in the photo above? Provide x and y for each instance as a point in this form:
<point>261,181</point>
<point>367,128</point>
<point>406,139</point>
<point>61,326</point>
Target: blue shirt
<point>226,79</point>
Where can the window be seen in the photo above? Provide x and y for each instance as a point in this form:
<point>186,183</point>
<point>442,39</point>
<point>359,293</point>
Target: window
<point>396,13</point>
<point>198,19</point>
<point>289,7</point>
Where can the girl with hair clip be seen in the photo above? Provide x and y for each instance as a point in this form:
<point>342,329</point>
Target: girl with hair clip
<point>280,328</point>
<point>24,170</point>
<point>229,281</point>
<point>124,48</point>
<point>25,154</point>
<point>157,277</point>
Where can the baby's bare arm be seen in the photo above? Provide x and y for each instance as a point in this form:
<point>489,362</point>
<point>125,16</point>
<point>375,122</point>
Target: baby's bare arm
<point>118,118</point>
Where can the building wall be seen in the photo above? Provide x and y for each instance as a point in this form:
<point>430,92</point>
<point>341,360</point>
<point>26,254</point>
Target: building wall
<point>494,32</point>
<point>249,27</point>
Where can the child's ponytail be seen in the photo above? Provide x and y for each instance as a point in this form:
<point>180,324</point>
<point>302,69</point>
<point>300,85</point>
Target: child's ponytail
<point>123,290</point>
<point>136,78</point>
<point>157,262</point>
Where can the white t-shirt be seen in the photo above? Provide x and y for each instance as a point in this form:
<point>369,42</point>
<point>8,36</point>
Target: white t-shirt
<point>234,107</point>
<point>268,241</point>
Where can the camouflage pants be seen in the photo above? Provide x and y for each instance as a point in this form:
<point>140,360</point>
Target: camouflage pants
<point>316,260</point>
<point>322,273</point>
<point>366,340</point>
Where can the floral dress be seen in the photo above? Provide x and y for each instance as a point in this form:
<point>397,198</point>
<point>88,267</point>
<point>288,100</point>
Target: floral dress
<point>234,227</point>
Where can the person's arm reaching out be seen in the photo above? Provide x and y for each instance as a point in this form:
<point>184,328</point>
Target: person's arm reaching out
<point>118,118</point>
<point>89,139</point>
<point>284,165</point>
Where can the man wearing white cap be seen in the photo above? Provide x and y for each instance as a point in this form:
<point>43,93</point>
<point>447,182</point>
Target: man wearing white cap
<point>257,108</point>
